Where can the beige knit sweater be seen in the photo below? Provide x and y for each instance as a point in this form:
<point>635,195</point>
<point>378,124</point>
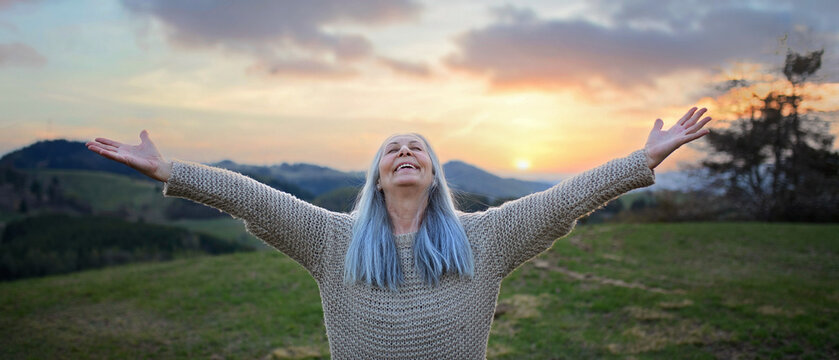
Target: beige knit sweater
<point>449,321</point>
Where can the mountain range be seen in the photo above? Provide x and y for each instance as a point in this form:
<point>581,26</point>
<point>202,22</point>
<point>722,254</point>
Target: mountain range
<point>303,180</point>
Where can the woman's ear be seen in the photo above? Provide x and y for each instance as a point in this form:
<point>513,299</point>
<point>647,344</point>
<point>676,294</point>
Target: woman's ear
<point>378,186</point>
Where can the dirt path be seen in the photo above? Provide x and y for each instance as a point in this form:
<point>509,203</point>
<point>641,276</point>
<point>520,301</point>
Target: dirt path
<point>545,265</point>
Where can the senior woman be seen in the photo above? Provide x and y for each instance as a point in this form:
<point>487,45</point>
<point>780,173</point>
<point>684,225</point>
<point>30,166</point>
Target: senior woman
<point>405,275</point>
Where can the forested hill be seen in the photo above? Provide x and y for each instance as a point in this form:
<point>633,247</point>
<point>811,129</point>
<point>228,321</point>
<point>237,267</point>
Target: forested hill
<point>63,154</point>
<point>56,244</point>
<point>312,179</point>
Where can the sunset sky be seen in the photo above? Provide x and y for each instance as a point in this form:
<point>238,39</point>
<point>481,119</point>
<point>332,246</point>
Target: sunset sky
<point>532,90</point>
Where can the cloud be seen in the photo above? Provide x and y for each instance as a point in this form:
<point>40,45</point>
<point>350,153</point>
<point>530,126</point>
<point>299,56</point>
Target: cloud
<point>406,67</point>
<point>631,45</point>
<point>9,3</point>
<point>17,54</point>
<point>284,37</point>
<point>311,69</point>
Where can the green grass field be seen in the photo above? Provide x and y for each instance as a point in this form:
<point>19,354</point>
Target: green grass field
<point>653,291</point>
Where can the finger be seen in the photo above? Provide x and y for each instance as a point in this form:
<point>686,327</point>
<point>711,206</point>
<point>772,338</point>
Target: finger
<point>98,148</point>
<point>657,126</point>
<point>92,146</point>
<point>115,157</point>
<point>696,116</point>
<point>144,136</point>
<point>698,125</point>
<point>104,146</point>
<point>109,142</point>
<point>107,153</point>
<point>687,116</point>
<point>696,135</point>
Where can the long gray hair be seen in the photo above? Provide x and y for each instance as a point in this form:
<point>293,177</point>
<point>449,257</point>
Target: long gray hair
<point>440,245</point>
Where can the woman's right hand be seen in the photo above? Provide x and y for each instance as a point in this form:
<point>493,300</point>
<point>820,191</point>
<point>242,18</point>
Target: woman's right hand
<point>144,157</point>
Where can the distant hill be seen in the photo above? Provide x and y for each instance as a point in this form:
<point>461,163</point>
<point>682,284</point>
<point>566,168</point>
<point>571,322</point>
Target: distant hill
<point>73,155</point>
<point>313,179</point>
<point>320,180</point>
<point>63,154</point>
<point>306,181</point>
<point>468,178</point>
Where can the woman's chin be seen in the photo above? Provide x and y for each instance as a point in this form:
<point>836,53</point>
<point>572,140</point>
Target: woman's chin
<point>410,182</point>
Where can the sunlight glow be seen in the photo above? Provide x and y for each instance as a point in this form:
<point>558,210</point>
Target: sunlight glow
<point>522,164</point>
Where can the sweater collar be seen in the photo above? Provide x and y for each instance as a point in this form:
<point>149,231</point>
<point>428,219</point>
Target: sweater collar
<point>405,240</point>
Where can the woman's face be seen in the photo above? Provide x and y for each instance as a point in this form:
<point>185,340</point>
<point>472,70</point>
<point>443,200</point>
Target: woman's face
<point>405,162</point>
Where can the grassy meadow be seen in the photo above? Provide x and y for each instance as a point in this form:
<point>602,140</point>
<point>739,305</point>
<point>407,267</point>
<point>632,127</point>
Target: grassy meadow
<point>105,191</point>
<point>613,291</point>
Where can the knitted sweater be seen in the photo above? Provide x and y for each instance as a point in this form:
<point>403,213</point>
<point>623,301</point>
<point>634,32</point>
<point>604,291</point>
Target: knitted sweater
<point>448,321</point>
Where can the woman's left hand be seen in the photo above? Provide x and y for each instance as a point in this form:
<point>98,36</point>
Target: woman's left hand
<point>661,144</point>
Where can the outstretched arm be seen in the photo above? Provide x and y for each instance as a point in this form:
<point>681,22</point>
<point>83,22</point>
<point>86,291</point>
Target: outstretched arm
<point>521,229</point>
<point>293,226</point>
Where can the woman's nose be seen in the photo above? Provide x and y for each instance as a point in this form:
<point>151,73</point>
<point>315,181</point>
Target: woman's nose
<point>404,150</point>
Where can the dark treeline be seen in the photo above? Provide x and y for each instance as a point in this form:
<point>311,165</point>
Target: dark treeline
<point>777,162</point>
<point>58,243</point>
<point>340,199</point>
<point>21,192</point>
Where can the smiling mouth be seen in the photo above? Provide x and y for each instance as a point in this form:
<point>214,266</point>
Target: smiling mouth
<point>405,166</point>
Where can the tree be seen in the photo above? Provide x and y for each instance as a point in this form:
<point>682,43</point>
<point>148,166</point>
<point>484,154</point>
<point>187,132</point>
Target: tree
<point>777,162</point>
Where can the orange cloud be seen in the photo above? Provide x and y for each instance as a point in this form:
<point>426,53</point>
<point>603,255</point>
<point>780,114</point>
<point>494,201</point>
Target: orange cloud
<point>734,103</point>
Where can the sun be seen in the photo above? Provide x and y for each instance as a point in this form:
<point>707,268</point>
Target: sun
<point>522,164</point>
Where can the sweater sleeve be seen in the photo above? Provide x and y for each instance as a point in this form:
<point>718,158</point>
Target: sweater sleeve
<point>293,226</point>
<point>521,229</point>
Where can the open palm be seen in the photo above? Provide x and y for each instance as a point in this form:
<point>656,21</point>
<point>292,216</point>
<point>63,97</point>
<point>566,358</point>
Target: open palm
<point>144,158</point>
<point>661,144</point>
